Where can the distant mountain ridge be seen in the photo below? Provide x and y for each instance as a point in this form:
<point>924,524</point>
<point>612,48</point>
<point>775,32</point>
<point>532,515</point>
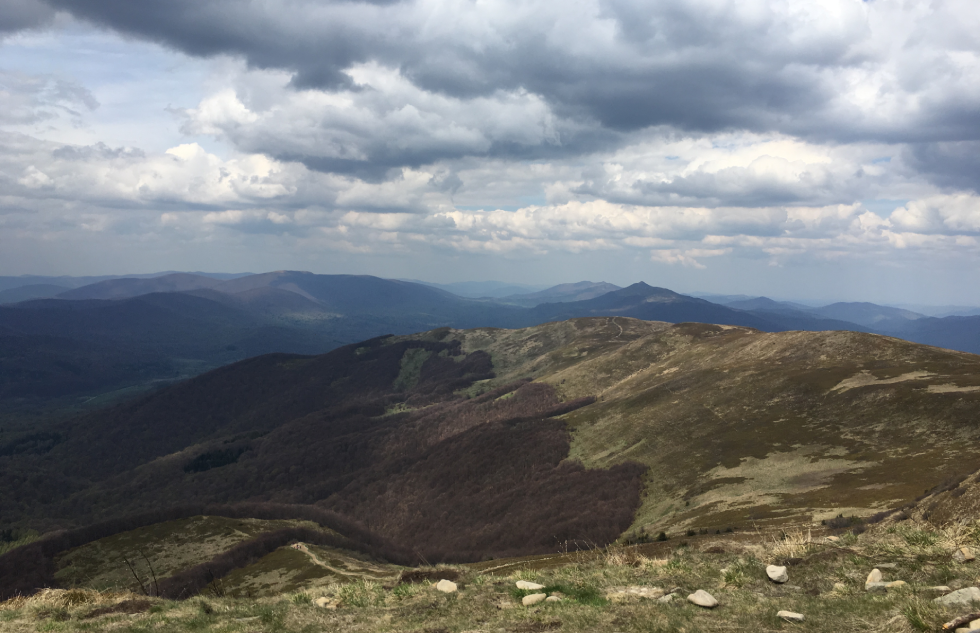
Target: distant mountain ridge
<point>134,286</point>
<point>146,330</point>
<point>579,291</point>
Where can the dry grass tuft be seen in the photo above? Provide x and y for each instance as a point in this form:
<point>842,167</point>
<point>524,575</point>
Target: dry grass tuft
<point>793,544</point>
<point>64,599</point>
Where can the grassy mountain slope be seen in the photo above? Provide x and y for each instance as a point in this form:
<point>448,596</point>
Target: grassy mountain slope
<point>379,432</point>
<point>738,426</point>
<point>436,440</point>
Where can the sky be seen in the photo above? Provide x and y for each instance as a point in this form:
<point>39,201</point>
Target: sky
<point>819,150</point>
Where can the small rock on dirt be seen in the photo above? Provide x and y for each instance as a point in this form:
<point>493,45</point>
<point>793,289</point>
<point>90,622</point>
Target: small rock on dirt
<point>790,616</point>
<point>326,603</point>
<point>876,587</point>
<point>553,599</point>
<point>446,586</point>
<point>777,573</point>
<point>874,576</point>
<point>961,596</point>
<point>833,539</point>
<point>964,555</point>
<point>533,599</point>
<point>530,586</point>
<point>703,599</point>
<point>939,589</point>
<point>896,584</point>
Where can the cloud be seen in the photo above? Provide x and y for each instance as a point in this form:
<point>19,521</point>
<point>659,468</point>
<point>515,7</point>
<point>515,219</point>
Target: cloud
<point>683,134</point>
<point>838,69</point>
<point>28,99</point>
<point>382,121</point>
<point>17,15</point>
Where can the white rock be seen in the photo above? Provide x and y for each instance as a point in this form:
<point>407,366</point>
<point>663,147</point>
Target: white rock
<point>530,586</point>
<point>896,584</point>
<point>874,576</point>
<point>552,599</point>
<point>703,599</point>
<point>790,616</point>
<point>446,586</point>
<point>961,596</point>
<point>326,603</point>
<point>533,599</point>
<point>964,555</point>
<point>833,539</point>
<point>975,624</point>
<point>668,598</point>
<point>876,587</point>
<point>777,573</point>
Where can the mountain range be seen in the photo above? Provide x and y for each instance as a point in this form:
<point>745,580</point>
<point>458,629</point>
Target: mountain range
<point>114,335</point>
<point>463,444</point>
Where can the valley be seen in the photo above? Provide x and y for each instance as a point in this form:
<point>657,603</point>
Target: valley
<point>485,451</point>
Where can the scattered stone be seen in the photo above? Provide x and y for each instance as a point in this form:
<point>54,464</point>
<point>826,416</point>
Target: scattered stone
<point>327,603</point>
<point>975,624</point>
<point>961,596</point>
<point>833,539</point>
<point>777,573</point>
<point>876,587</point>
<point>874,576</point>
<point>896,584</point>
<point>534,599</point>
<point>556,594</point>
<point>622,594</point>
<point>552,599</point>
<point>446,586</point>
<point>530,586</point>
<point>790,616</point>
<point>703,599</point>
<point>940,589</point>
<point>964,555</point>
<point>887,565</point>
<point>667,598</point>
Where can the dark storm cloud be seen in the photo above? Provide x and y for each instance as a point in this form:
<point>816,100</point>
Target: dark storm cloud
<point>670,64</point>
<point>17,15</point>
<point>835,72</point>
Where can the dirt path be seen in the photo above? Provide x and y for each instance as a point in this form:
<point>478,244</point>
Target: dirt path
<point>302,547</point>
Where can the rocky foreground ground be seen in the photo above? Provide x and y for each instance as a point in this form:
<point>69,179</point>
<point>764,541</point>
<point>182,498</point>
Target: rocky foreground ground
<point>902,576</point>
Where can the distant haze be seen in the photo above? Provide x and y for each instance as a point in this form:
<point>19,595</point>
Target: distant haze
<point>824,152</point>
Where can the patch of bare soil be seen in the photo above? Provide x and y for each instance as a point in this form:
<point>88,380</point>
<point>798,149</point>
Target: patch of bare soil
<point>126,606</point>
